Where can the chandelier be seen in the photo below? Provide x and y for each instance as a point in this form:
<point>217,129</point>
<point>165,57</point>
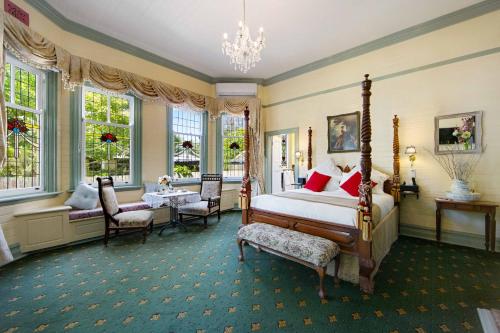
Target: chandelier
<point>244,53</point>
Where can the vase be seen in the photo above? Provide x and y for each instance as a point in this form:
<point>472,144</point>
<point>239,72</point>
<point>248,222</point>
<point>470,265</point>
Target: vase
<point>460,191</point>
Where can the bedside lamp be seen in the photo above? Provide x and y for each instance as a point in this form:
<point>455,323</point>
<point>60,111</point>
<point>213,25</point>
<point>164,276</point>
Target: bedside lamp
<point>412,151</point>
<point>299,157</point>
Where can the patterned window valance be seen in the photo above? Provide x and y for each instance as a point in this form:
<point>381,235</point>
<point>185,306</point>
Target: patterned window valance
<point>32,48</point>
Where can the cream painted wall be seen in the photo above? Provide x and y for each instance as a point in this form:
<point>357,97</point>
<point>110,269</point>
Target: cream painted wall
<point>417,98</point>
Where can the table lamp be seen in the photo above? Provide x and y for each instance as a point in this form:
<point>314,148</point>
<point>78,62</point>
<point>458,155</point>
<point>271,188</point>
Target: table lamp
<point>412,151</point>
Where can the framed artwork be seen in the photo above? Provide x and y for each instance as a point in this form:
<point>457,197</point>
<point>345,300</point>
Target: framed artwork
<point>343,133</point>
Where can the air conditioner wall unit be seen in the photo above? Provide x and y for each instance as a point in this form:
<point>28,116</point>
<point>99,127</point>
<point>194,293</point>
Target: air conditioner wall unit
<point>236,89</point>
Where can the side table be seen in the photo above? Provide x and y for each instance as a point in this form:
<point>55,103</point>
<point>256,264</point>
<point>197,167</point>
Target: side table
<point>486,207</point>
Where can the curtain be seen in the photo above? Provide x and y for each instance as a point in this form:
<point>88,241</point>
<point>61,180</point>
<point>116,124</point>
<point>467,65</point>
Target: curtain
<point>5,254</point>
<point>37,51</point>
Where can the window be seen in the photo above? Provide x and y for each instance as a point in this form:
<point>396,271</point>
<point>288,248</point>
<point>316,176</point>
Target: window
<point>232,144</point>
<point>107,136</point>
<point>24,90</point>
<point>188,143</point>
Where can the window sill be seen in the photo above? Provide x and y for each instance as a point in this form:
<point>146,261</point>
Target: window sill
<point>118,188</point>
<point>27,197</point>
<point>232,180</point>
<point>186,182</point>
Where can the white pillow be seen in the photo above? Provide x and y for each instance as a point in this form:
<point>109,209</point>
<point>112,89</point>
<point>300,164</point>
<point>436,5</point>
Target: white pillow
<point>330,169</point>
<point>84,197</point>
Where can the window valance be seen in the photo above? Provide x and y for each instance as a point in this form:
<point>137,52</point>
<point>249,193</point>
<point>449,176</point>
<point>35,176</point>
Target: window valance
<point>32,48</point>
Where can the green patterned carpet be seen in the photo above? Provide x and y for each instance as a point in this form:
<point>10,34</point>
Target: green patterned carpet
<point>192,282</point>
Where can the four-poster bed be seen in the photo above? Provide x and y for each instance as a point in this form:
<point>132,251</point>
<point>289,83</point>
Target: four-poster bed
<point>356,239</point>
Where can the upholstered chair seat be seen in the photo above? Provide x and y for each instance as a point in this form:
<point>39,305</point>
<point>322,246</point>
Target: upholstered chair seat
<point>134,219</point>
<point>117,219</point>
<point>210,196</point>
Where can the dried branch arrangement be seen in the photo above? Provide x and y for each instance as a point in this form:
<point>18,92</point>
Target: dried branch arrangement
<point>457,166</point>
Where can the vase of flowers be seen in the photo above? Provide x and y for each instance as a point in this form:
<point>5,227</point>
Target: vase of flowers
<point>459,168</point>
<point>165,182</point>
<point>464,133</point>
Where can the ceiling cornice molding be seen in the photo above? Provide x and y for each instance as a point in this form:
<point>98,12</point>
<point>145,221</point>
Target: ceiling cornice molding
<point>444,21</point>
<point>78,29</point>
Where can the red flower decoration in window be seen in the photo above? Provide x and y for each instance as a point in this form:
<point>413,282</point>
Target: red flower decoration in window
<point>108,138</point>
<point>17,125</point>
<point>187,145</point>
<point>234,146</point>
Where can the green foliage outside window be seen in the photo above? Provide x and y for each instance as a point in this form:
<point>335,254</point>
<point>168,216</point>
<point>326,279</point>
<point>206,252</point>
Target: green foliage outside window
<point>102,158</point>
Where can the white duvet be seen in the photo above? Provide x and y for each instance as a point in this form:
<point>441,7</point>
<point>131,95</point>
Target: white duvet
<point>319,211</point>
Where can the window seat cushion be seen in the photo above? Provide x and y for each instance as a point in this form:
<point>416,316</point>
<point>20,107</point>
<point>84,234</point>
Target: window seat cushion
<point>78,214</point>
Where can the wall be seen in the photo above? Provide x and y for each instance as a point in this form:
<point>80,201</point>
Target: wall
<point>154,116</point>
<point>443,72</point>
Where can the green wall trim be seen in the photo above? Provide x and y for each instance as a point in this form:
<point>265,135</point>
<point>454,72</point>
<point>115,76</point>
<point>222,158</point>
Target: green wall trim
<point>204,140</point>
<point>391,75</point>
<point>78,29</point>
<point>219,163</point>
<point>446,20</point>
<point>137,161</point>
<point>170,141</point>
<point>268,151</point>
<point>75,106</point>
<point>50,136</point>
<point>447,236</point>
<point>12,200</point>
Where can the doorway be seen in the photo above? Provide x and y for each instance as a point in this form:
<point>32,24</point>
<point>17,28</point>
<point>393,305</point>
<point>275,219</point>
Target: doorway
<point>281,169</point>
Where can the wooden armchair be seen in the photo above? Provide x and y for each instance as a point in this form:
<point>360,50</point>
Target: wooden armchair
<point>210,193</point>
<point>115,218</point>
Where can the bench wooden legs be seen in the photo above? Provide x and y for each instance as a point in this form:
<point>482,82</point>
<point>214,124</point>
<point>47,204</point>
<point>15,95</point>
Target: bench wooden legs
<point>240,246</point>
<point>321,272</point>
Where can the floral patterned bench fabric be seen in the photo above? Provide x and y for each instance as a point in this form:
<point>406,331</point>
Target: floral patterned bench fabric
<point>78,214</point>
<point>312,249</point>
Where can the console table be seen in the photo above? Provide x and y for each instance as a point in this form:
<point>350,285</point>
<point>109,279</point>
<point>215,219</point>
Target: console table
<point>488,208</point>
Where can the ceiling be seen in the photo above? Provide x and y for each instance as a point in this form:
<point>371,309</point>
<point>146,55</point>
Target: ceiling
<point>298,32</point>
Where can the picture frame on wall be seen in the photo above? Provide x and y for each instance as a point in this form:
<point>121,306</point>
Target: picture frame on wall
<point>344,133</point>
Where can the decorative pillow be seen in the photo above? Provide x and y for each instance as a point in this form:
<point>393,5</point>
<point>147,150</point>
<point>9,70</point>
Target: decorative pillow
<point>317,182</point>
<point>328,168</point>
<point>350,183</point>
<point>379,178</point>
<point>84,197</point>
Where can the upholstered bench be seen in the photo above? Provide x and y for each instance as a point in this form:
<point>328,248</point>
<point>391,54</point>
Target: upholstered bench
<point>309,250</point>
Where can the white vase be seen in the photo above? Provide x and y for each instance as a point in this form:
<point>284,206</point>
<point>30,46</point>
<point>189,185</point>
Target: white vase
<point>460,191</point>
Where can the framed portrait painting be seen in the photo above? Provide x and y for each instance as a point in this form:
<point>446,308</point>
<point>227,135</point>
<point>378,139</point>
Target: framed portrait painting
<point>343,133</point>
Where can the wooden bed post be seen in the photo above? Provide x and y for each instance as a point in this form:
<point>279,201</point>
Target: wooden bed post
<point>395,165</point>
<point>309,149</point>
<point>246,186</point>
<point>366,262</point>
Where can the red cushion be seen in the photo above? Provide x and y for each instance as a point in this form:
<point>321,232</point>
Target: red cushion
<point>351,185</point>
<point>317,182</point>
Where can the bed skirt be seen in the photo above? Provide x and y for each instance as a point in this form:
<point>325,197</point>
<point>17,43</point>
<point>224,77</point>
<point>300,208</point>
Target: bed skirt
<point>384,235</point>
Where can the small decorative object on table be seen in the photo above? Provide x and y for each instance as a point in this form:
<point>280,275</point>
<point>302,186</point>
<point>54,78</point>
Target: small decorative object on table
<point>165,183</point>
<point>459,168</point>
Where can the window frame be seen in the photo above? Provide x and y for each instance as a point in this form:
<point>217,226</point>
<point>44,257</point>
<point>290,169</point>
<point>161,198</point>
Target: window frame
<point>45,115</point>
<point>77,137</point>
<point>220,150</point>
<point>170,148</point>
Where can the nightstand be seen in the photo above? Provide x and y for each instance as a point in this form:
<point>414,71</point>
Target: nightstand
<point>409,190</point>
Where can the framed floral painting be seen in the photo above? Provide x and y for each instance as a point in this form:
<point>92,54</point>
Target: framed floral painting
<point>459,133</point>
<point>343,133</point>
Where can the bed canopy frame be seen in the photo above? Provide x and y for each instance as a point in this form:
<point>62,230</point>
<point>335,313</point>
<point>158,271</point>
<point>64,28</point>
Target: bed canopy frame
<point>352,240</point>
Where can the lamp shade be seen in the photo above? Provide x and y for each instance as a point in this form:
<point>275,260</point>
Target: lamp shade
<point>298,154</point>
<point>410,150</point>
